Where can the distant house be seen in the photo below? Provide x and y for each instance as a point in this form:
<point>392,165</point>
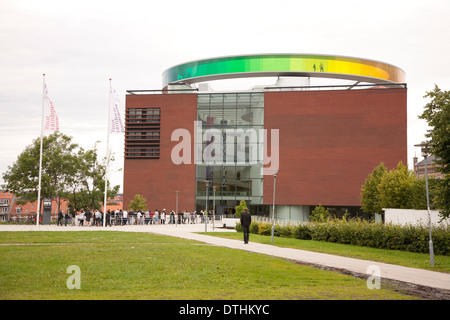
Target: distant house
<point>10,210</point>
<point>31,207</point>
<point>7,200</point>
<point>432,168</point>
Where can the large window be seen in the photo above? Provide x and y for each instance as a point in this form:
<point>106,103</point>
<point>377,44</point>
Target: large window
<point>238,117</point>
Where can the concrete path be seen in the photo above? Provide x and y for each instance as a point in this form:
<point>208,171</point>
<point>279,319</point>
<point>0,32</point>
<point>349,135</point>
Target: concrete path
<point>422,280</point>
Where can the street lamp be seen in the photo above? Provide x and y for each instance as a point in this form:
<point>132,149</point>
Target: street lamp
<point>273,209</point>
<point>425,149</point>
<point>176,209</point>
<point>205,214</point>
<point>214,205</point>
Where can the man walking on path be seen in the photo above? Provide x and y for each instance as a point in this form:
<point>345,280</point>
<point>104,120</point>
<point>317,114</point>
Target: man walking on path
<point>246,219</point>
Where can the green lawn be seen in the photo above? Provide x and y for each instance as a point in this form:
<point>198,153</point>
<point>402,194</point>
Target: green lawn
<point>403,258</point>
<point>121,265</point>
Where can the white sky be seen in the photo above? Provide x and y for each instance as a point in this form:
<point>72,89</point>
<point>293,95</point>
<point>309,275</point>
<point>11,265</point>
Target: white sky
<point>80,44</point>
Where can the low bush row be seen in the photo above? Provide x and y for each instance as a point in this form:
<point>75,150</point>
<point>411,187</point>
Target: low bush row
<point>362,233</point>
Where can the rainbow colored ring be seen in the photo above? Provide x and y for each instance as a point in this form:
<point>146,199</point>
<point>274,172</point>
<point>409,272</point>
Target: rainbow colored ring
<point>268,65</point>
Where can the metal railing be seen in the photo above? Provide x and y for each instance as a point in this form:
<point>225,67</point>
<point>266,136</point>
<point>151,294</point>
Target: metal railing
<point>339,87</point>
<point>354,86</point>
<point>162,91</point>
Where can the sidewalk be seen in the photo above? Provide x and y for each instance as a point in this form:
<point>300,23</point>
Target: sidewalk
<point>419,279</point>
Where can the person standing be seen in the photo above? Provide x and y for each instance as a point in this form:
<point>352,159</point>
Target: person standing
<point>66,218</point>
<point>156,216</point>
<point>117,214</point>
<point>124,217</point>
<point>98,218</point>
<point>163,216</point>
<point>147,217</point>
<point>108,218</point>
<point>73,215</point>
<point>172,217</point>
<point>88,218</point>
<point>60,218</point>
<point>81,218</point>
<point>152,216</point>
<point>246,219</point>
<point>202,216</point>
<point>138,217</point>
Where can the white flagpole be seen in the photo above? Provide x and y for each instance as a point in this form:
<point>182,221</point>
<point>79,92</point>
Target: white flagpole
<point>40,155</point>
<point>107,155</point>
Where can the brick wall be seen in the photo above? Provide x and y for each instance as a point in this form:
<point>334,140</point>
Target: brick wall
<point>330,141</point>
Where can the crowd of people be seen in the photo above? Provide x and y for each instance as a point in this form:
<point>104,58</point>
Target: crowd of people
<point>124,217</point>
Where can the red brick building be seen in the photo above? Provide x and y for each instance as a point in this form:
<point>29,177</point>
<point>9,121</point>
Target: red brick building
<point>330,140</point>
<point>432,168</point>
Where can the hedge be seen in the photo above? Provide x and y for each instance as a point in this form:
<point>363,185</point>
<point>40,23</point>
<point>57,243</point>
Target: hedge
<point>362,233</point>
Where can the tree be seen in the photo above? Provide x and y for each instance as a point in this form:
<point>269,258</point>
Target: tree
<point>139,203</point>
<point>395,188</point>
<point>370,196</point>
<point>67,172</point>
<point>437,115</point>
<point>319,214</point>
<point>74,183</point>
<point>88,188</point>
<point>22,178</point>
<point>419,193</point>
<point>240,208</point>
<point>93,185</point>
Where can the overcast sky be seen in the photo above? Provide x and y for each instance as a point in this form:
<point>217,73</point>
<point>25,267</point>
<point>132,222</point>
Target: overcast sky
<point>80,44</point>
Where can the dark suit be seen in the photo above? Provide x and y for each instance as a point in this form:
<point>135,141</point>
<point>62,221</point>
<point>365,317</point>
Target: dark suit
<point>246,219</point>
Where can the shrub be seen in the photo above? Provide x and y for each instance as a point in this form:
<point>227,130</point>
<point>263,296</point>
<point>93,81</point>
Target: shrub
<point>283,231</point>
<point>254,226</point>
<point>265,229</point>
<point>363,233</point>
<point>139,203</point>
<point>240,208</point>
<point>319,214</point>
<point>302,232</point>
<point>319,232</point>
<point>441,242</point>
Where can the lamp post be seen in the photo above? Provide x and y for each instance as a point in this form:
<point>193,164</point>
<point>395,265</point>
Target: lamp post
<point>273,209</point>
<point>176,209</point>
<point>214,205</point>
<point>205,214</point>
<point>425,148</point>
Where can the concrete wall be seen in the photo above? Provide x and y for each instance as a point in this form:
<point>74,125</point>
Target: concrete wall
<point>414,217</point>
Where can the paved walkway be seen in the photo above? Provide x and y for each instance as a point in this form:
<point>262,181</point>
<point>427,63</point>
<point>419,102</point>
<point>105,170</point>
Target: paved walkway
<point>421,279</point>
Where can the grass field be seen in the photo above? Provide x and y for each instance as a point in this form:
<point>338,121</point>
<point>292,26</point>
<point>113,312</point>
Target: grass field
<point>122,265</point>
<point>402,258</point>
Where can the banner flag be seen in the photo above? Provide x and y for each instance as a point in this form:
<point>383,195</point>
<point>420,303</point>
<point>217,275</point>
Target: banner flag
<point>115,125</point>
<point>50,116</point>
<point>116,121</point>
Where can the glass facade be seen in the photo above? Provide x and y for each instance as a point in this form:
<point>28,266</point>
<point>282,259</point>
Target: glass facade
<point>230,124</point>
